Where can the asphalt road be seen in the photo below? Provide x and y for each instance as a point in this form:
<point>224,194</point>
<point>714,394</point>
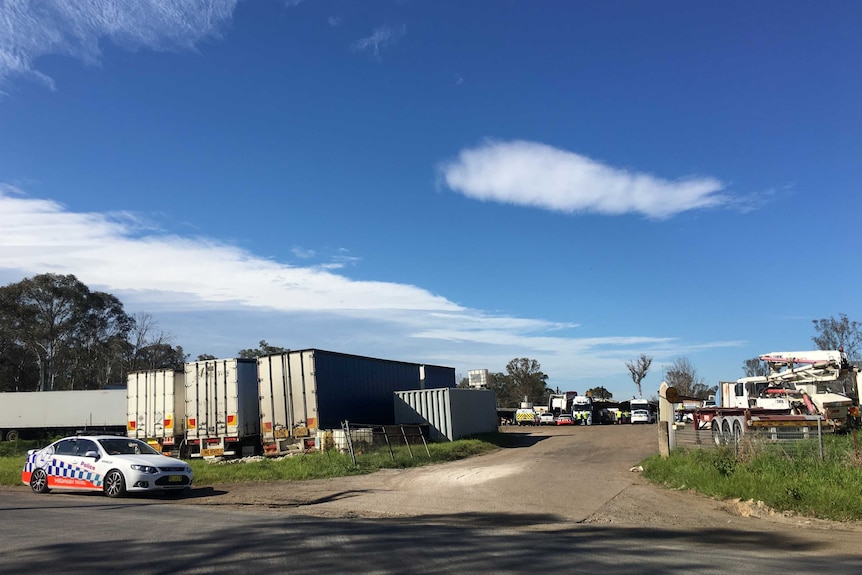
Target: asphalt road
<point>565,501</point>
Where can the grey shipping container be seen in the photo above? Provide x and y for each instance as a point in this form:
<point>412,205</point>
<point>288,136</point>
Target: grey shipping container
<point>306,390</point>
<point>222,416</point>
<point>450,413</point>
<point>157,408</point>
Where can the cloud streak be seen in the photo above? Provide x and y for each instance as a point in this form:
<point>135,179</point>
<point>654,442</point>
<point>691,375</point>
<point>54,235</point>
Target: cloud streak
<point>537,175</point>
<point>382,37</point>
<point>236,298</point>
<point>29,30</point>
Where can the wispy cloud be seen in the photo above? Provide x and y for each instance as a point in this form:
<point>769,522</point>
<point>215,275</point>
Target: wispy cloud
<point>382,37</point>
<point>209,293</point>
<point>29,30</point>
<point>537,175</point>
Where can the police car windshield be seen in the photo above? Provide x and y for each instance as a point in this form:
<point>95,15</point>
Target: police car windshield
<point>120,446</point>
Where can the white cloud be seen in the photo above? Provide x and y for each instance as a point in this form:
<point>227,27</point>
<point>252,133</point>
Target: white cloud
<point>217,298</point>
<point>29,30</point>
<point>382,37</point>
<point>532,174</point>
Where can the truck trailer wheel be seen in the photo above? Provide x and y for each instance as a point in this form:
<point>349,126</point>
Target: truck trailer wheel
<point>12,435</point>
<point>716,432</point>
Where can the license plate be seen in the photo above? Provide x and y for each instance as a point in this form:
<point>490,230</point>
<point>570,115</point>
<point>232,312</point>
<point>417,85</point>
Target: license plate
<point>212,452</point>
<point>175,479</point>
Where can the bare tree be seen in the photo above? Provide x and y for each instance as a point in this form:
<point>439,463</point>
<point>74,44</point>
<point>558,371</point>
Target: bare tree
<point>638,368</point>
<point>683,376</point>
<point>151,348</point>
<point>755,367</point>
<point>836,333</point>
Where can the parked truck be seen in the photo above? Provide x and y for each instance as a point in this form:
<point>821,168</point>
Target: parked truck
<point>275,404</point>
<point>302,392</point>
<point>582,410</point>
<point>222,411</point>
<point>802,390</point>
<point>41,414</point>
<point>526,414</point>
<point>156,409</point>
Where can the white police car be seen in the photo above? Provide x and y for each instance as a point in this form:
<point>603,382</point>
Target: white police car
<point>112,464</point>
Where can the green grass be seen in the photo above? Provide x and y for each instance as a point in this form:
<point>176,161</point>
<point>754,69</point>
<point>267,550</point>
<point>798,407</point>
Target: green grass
<point>786,477</point>
<point>314,465</point>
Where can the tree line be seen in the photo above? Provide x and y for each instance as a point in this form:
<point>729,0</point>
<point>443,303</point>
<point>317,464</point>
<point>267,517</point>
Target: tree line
<point>56,334</point>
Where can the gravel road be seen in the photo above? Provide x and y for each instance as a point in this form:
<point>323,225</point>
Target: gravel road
<point>555,474</point>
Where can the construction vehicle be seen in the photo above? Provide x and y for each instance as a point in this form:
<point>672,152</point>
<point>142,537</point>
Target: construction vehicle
<point>804,389</point>
<point>806,382</point>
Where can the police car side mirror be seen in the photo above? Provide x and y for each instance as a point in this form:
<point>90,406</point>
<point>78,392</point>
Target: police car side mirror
<point>93,454</point>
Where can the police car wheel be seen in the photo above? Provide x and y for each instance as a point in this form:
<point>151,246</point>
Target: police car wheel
<point>39,481</point>
<point>115,484</point>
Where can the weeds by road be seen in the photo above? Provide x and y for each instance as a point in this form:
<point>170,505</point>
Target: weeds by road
<point>311,465</point>
<point>785,477</point>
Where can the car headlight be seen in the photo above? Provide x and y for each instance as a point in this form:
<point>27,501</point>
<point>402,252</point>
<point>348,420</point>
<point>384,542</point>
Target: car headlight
<point>145,468</point>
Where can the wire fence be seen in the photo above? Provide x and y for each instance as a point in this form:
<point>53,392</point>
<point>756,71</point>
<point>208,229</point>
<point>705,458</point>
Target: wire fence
<point>793,441</point>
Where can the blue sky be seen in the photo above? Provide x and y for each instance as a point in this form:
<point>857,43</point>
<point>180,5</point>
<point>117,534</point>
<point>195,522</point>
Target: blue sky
<point>457,183</point>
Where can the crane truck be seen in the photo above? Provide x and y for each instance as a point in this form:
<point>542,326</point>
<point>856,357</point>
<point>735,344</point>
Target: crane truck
<point>801,389</point>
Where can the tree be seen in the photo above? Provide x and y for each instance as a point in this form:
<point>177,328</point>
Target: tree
<point>527,378</point>
<point>150,348</point>
<point>600,393</point>
<point>836,333</point>
<point>503,387</point>
<point>263,349</point>
<point>638,369</point>
<point>683,376</point>
<point>754,367</point>
<point>74,337</point>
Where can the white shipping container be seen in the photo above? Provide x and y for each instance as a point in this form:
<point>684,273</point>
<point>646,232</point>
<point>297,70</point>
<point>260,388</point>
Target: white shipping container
<point>156,406</point>
<point>450,413</point>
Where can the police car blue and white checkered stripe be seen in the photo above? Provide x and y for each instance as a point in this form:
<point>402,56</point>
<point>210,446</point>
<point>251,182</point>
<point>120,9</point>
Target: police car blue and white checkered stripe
<point>60,469</point>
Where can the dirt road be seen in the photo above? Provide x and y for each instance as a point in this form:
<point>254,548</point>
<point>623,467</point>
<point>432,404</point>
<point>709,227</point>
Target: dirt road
<point>555,474</point>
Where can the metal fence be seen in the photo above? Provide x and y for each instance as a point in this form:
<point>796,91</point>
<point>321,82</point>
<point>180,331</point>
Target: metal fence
<point>353,438</point>
<point>788,440</point>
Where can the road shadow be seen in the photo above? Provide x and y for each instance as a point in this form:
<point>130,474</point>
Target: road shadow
<point>512,439</point>
<point>445,543</point>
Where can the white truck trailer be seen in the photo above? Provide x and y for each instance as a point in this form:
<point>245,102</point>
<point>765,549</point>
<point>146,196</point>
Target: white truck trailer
<point>222,416</point>
<point>156,409</point>
<point>306,391</point>
<point>42,414</point>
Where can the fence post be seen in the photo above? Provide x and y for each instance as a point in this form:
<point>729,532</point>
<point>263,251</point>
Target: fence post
<point>820,436</point>
<point>665,417</point>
